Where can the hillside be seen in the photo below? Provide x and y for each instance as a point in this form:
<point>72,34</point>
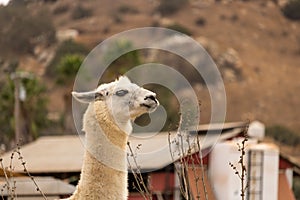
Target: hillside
<point>266,44</point>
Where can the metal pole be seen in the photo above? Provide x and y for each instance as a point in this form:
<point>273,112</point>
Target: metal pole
<point>17,77</point>
<point>17,112</point>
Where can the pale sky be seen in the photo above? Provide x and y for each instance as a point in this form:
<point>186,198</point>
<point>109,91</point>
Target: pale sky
<point>4,2</point>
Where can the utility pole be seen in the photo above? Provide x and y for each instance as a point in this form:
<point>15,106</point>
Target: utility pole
<point>17,113</point>
<point>19,96</point>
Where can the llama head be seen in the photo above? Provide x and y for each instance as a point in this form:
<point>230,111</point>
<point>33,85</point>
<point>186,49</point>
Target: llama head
<point>124,99</point>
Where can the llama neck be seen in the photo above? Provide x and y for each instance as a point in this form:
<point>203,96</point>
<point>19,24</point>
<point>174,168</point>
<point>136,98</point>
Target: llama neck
<point>105,140</point>
<point>98,181</point>
<point>104,170</point>
<point>116,132</point>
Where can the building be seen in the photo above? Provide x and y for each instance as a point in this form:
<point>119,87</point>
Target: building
<point>24,188</point>
<point>163,174</point>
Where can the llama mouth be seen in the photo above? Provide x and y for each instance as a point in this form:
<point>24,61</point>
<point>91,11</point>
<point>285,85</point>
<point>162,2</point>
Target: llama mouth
<point>146,105</point>
<point>150,107</point>
<point>150,102</point>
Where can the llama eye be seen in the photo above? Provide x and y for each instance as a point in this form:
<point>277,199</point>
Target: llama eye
<point>121,93</point>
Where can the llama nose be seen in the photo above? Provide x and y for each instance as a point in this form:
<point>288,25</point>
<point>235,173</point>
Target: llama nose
<point>151,97</point>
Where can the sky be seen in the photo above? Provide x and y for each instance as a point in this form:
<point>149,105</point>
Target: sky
<point>4,2</point>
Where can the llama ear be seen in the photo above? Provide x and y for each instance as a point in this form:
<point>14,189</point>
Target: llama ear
<point>124,79</point>
<point>88,97</point>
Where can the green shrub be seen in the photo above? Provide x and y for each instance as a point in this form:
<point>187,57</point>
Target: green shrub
<point>65,48</point>
<point>234,18</point>
<point>292,10</point>
<point>180,28</point>
<point>201,21</point>
<point>68,67</point>
<point>168,7</point>
<point>80,12</point>
<point>33,109</point>
<point>117,18</point>
<point>123,63</point>
<point>283,135</point>
<point>296,187</point>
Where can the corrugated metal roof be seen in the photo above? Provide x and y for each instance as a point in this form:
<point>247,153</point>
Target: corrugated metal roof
<point>63,154</point>
<point>220,126</point>
<point>154,152</point>
<point>49,154</point>
<point>291,159</point>
<point>24,186</point>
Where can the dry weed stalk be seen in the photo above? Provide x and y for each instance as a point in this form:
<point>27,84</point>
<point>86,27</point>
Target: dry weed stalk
<point>9,174</point>
<point>137,174</point>
<point>186,146</point>
<point>184,156</point>
<point>7,182</point>
<point>202,167</point>
<point>243,173</point>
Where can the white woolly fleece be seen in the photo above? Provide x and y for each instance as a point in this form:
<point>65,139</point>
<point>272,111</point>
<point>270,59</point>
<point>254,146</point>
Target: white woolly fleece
<point>104,171</point>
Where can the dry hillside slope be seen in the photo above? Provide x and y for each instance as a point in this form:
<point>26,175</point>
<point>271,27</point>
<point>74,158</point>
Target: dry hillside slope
<point>267,44</point>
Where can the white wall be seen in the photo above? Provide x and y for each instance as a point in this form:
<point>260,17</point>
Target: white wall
<point>270,170</point>
<point>226,184</point>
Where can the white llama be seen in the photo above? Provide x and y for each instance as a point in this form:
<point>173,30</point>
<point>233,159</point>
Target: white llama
<point>107,124</point>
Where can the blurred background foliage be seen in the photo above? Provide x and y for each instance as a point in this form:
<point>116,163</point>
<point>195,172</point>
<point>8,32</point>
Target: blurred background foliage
<point>292,9</point>
<point>283,135</point>
<point>23,29</point>
<point>121,64</point>
<point>33,109</point>
<point>65,49</point>
<point>167,7</point>
<point>296,186</point>
<point>67,68</point>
